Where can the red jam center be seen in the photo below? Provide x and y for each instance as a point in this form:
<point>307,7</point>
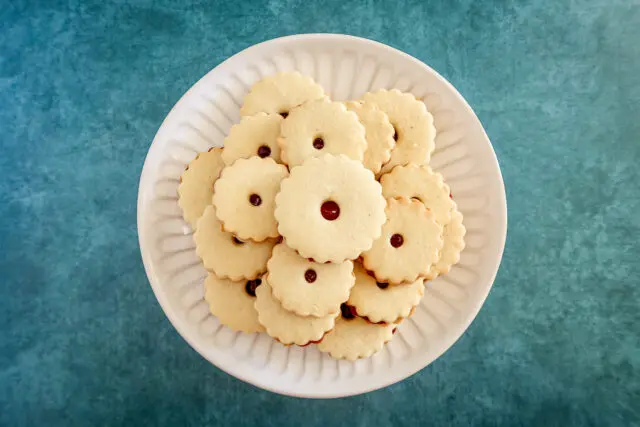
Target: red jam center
<point>264,151</point>
<point>330,210</point>
<point>310,275</point>
<point>255,200</point>
<point>347,311</point>
<point>318,143</point>
<point>396,240</point>
<point>251,286</point>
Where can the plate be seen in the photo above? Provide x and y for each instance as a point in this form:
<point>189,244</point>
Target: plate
<point>347,67</point>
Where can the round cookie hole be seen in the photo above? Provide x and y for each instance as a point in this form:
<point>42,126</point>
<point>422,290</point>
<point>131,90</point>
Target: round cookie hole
<point>255,200</point>
<point>330,210</point>
<point>264,151</point>
<point>318,143</point>
<point>347,311</point>
<point>382,285</point>
<point>396,240</point>
<point>251,286</point>
<point>310,275</point>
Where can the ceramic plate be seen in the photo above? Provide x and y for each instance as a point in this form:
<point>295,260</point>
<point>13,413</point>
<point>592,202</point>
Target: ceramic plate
<point>346,67</point>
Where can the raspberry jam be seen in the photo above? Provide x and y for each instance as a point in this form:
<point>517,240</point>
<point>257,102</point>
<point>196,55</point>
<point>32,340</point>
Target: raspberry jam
<point>255,200</point>
<point>264,151</point>
<point>310,275</point>
<point>396,240</point>
<point>347,311</point>
<point>251,286</point>
<point>330,210</point>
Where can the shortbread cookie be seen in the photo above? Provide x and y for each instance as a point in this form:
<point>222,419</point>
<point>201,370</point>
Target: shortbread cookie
<point>378,133</point>
<point>453,236</point>
<point>196,184</point>
<point>279,93</point>
<point>413,124</point>
<point>410,243</point>
<point>330,209</point>
<point>306,287</point>
<point>244,197</point>
<point>321,127</point>
<point>227,256</point>
<point>233,303</point>
<point>285,326</point>
<point>382,302</point>
<point>254,136</point>
<point>422,183</point>
<point>353,337</point>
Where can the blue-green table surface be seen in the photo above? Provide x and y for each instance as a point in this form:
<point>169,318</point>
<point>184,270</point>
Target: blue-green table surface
<point>84,85</point>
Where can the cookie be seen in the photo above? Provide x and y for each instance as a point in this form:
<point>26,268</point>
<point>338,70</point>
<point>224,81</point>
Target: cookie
<point>233,303</point>
<point>227,256</point>
<point>422,183</point>
<point>353,337</point>
<point>321,127</point>
<point>285,326</point>
<point>330,209</point>
<point>410,243</point>
<point>196,184</point>
<point>279,93</point>
<point>254,136</point>
<point>306,287</point>
<point>378,133</point>
<point>413,124</point>
<point>244,197</point>
<point>453,236</point>
<point>383,302</point>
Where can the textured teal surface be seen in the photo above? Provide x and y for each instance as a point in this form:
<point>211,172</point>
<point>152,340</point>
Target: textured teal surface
<point>84,85</point>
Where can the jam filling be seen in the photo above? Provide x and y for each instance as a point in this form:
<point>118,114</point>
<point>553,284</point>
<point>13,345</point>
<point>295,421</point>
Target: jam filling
<point>310,275</point>
<point>396,240</point>
<point>255,200</point>
<point>330,210</point>
<point>264,151</point>
<point>251,286</point>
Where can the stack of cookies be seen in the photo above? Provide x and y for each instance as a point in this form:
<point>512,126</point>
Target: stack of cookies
<point>320,221</point>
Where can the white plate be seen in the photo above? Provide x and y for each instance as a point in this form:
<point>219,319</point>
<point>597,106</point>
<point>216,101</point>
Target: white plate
<point>346,67</point>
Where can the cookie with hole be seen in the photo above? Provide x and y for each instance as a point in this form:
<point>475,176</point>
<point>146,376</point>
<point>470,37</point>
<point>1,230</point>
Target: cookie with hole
<point>409,244</point>
<point>382,302</point>
<point>225,254</point>
<point>255,135</point>
<point>285,326</point>
<point>330,209</point>
<point>321,127</point>
<point>244,197</point>
<point>421,183</point>
<point>379,134</point>
<point>280,93</point>
<point>306,287</point>
<point>355,338</point>
<point>233,302</point>
<point>196,184</point>
<point>413,124</point>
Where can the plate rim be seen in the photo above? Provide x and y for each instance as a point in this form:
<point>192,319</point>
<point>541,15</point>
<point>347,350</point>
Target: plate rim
<point>177,323</point>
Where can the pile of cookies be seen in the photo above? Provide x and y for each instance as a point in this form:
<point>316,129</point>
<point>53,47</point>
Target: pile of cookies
<point>320,221</point>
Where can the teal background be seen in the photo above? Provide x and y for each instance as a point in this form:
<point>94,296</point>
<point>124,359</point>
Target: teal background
<point>84,85</point>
